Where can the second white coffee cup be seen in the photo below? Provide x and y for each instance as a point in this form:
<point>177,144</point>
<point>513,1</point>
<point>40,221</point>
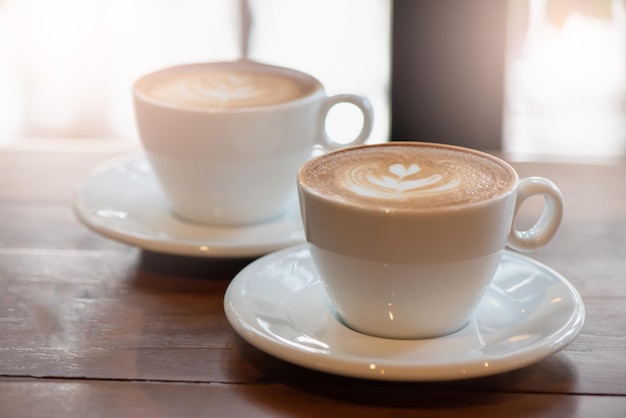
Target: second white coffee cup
<point>407,237</point>
<point>226,139</point>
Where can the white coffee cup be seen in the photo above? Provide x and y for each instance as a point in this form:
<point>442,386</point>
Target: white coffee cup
<point>226,139</point>
<point>406,237</point>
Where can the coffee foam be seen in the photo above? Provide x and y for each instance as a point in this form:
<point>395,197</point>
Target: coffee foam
<point>402,175</point>
<point>215,86</point>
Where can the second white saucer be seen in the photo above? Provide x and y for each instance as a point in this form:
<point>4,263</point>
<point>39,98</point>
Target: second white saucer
<point>122,200</point>
<point>278,304</point>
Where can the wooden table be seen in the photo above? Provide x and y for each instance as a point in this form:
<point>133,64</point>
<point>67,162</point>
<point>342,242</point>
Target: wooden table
<point>92,327</point>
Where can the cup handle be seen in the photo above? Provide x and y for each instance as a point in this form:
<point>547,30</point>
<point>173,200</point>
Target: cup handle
<point>364,106</point>
<point>545,228</point>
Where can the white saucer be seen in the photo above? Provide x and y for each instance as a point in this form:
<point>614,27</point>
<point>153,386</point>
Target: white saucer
<point>121,199</point>
<point>278,304</point>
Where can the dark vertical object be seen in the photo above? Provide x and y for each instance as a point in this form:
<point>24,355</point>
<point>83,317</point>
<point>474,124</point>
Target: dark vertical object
<point>448,71</point>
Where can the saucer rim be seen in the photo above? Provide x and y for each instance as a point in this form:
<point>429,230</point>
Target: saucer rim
<point>456,369</point>
<point>172,246</point>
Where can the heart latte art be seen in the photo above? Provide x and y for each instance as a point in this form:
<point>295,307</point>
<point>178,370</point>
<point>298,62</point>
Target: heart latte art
<point>407,175</point>
<point>226,86</point>
<point>399,182</point>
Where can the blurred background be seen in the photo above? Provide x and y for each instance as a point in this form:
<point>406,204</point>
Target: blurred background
<point>565,85</point>
<point>531,77</point>
<point>67,66</point>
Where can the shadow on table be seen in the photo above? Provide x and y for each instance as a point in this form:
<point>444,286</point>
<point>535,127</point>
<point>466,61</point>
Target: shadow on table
<point>555,375</point>
<point>199,267</point>
<point>173,279</point>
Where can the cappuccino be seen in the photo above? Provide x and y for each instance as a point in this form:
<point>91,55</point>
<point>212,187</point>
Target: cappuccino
<point>404,175</point>
<point>231,85</point>
<point>406,237</point>
<point>225,139</point>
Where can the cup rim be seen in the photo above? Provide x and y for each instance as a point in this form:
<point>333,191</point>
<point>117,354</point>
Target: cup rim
<point>409,210</point>
<point>318,87</point>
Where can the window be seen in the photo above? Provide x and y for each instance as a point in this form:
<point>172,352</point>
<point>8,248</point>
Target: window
<point>566,78</point>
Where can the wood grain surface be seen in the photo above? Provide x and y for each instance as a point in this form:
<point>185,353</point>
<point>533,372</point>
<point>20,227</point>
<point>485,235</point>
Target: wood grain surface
<point>91,327</point>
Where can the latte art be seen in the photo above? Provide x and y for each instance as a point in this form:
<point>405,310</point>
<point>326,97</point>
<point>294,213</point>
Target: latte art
<point>405,175</point>
<point>226,86</point>
<point>402,182</point>
<point>230,87</point>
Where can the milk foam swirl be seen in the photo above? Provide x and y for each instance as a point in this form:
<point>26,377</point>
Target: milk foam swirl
<point>234,87</point>
<point>225,88</point>
<point>399,181</point>
<point>406,176</point>
<point>231,87</point>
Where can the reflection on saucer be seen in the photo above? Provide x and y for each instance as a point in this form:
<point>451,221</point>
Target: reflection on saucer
<point>122,200</point>
<point>278,304</point>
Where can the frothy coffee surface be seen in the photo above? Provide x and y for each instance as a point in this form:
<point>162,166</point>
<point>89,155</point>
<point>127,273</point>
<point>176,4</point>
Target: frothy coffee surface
<point>403,175</point>
<point>225,86</point>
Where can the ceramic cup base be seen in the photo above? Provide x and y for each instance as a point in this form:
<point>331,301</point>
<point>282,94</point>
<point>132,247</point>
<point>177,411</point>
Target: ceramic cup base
<point>343,322</point>
<point>391,306</point>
